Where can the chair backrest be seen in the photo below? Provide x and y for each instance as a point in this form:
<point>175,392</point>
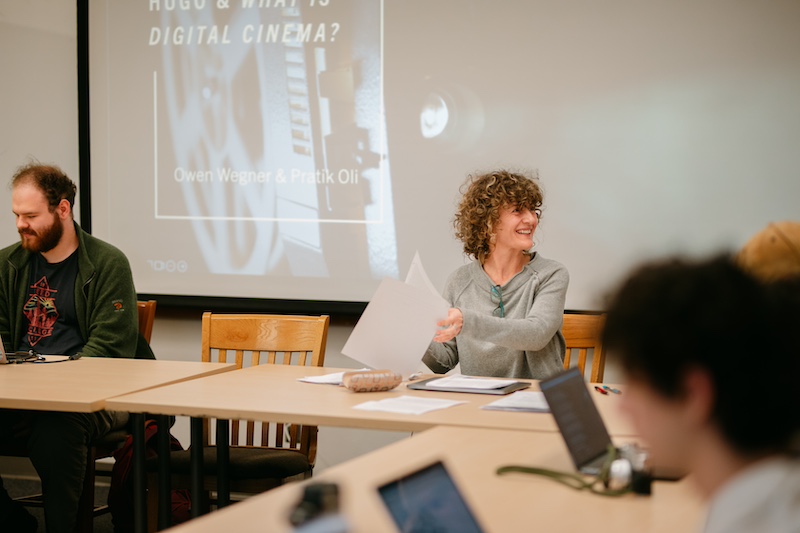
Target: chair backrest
<point>147,316</point>
<point>583,333</point>
<point>253,339</point>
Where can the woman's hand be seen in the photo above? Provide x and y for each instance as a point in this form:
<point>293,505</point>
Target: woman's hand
<point>451,326</point>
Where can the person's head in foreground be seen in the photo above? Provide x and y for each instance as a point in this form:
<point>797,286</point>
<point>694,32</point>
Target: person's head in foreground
<point>712,368</point>
<point>499,211</point>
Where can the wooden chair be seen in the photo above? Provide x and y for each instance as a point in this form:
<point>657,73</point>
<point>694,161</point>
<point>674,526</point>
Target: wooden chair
<point>583,333</point>
<point>262,455</point>
<point>147,317</point>
<point>101,449</point>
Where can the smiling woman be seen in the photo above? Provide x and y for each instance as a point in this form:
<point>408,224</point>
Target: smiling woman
<point>508,303</point>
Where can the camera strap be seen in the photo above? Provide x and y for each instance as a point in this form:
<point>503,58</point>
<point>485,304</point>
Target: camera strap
<point>596,485</point>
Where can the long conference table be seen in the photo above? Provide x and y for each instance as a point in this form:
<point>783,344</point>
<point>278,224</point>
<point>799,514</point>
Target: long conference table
<point>273,393</point>
<point>501,504</point>
<point>85,385</point>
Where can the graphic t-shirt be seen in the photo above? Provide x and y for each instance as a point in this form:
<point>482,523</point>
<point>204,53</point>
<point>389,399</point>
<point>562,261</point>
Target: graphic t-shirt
<point>49,312</point>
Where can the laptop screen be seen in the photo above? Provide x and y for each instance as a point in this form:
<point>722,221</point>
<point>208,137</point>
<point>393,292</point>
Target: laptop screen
<point>577,416</point>
<point>428,500</point>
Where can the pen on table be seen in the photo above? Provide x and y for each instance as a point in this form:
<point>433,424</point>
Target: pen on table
<point>610,389</point>
<point>600,390</point>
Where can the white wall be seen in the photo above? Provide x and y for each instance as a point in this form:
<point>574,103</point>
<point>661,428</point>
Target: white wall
<point>39,93</point>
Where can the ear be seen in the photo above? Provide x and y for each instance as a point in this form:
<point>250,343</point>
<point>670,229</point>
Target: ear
<point>63,209</point>
<point>699,395</point>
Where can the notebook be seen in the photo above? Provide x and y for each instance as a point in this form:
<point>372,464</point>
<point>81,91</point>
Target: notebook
<point>508,386</point>
<point>581,425</point>
<point>428,500</point>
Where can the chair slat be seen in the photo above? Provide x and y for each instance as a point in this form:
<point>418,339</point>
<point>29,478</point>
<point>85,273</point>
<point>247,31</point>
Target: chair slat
<point>584,333</point>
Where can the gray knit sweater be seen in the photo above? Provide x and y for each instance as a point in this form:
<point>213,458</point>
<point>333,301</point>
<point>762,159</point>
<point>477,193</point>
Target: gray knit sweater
<point>526,343</point>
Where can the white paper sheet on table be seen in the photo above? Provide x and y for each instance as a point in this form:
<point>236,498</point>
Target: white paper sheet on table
<point>398,324</point>
<point>408,405</point>
<point>524,401</point>
<point>334,378</point>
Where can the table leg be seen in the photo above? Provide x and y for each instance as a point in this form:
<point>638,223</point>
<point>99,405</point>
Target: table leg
<point>223,463</point>
<point>196,458</point>
<point>139,481</point>
<point>164,473</point>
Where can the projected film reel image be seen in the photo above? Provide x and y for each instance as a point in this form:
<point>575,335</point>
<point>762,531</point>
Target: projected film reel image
<point>271,133</point>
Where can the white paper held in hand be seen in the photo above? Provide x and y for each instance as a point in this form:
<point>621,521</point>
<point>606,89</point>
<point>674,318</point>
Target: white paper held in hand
<point>419,278</point>
<point>398,324</point>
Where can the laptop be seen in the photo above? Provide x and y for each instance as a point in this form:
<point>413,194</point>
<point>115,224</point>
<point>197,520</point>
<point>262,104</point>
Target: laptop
<point>428,500</point>
<point>581,425</point>
<point>578,420</point>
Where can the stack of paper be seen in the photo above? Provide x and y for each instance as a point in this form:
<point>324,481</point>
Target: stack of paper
<point>524,401</point>
<point>457,381</point>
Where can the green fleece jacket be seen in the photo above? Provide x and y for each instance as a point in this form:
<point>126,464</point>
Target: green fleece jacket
<point>105,299</point>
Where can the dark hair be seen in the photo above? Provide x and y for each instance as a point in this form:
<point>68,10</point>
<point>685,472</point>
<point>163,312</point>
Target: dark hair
<point>49,179</point>
<point>670,317</point>
<point>482,198</point>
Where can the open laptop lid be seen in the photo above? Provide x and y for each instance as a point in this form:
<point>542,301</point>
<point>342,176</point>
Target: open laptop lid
<point>428,500</point>
<point>577,416</point>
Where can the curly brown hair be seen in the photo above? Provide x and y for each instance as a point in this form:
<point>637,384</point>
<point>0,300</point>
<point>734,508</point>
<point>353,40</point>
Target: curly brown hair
<point>482,198</point>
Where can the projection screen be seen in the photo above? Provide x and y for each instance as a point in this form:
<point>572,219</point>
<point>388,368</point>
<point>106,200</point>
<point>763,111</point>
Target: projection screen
<point>303,150</point>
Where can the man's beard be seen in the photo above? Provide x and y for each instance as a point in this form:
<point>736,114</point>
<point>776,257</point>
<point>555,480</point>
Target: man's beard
<point>46,239</point>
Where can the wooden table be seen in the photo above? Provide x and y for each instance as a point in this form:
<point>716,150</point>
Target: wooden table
<point>272,393</point>
<point>513,502</point>
<point>84,385</point>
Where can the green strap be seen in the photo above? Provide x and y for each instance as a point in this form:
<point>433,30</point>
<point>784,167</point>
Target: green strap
<point>573,480</point>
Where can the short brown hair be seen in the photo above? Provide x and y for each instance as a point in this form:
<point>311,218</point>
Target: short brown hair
<point>482,198</point>
<point>49,179</point>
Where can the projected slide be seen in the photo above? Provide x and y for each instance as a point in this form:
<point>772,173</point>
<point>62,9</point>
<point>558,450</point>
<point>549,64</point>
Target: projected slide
<point>306,149</point>
<point>267,134</point>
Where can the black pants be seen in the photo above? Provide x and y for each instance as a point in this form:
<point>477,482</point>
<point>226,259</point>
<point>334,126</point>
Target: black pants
<point>57,444</point>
